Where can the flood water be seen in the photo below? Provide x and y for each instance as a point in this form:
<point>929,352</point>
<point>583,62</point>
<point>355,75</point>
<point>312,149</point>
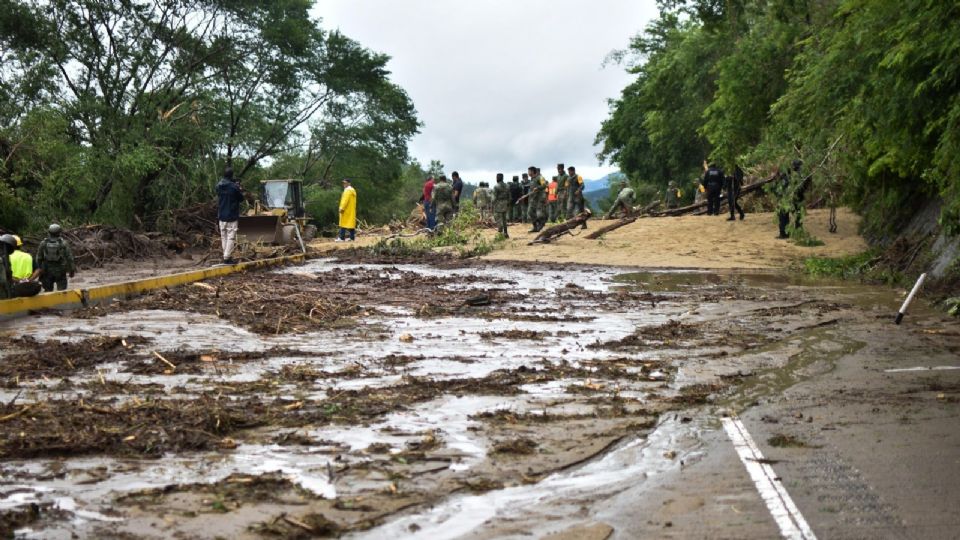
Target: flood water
<point>723,324</point>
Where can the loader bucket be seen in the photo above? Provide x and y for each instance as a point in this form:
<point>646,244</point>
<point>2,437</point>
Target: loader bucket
<point>262,229</point>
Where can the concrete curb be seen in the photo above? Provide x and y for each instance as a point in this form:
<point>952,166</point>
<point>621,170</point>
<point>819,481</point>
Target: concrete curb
<point>17,307</point>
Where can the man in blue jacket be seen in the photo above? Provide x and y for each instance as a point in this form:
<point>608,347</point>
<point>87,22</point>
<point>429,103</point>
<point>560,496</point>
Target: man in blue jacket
<point>229,195</point>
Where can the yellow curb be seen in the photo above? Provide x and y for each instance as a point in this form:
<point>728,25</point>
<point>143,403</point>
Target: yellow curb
<point>20,306</point>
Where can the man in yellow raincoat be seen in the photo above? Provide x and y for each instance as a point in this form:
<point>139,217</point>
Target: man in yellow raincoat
<point>348,212</point>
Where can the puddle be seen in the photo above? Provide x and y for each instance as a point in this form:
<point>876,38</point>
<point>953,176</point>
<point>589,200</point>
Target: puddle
<point>561,494</point>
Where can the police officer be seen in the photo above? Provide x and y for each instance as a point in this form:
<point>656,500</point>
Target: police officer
<point>55,260</point>
<point>501,204</point>
<point>734,183</point>
<point>713,183</point>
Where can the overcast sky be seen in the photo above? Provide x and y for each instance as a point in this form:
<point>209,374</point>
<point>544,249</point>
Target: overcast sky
<point>500,84</point>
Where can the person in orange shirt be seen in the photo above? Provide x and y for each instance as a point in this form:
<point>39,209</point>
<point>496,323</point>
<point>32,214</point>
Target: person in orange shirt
<point>553,204</point>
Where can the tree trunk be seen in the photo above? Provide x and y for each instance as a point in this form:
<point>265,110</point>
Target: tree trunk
<point>553,232</point>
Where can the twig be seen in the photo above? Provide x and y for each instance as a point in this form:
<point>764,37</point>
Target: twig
<point>164,360</point>
<point>16,414</point>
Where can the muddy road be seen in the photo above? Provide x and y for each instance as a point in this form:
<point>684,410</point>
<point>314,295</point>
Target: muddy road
<point>475,399</point>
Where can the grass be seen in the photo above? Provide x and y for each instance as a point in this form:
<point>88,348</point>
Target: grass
<point>847,267</point>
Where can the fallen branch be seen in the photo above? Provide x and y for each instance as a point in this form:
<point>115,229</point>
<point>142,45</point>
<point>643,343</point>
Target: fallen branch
<point>164,360</point>
<point>632,216</point>
<point>553,232</point>
<point>11,416</point>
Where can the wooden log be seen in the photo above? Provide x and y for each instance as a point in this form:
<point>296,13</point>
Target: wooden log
<point>689,209</point>
<point>635,213</point>
<point>553,232</point>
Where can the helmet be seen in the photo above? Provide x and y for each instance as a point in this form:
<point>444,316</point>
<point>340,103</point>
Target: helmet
<point>9,240</point>
<point>19,241</point>
<point>55,230</point>
<point>797,164</point>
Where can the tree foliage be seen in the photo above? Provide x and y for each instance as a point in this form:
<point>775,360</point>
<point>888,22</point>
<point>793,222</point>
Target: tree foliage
<point>114,110</point>
<point>864,91</point>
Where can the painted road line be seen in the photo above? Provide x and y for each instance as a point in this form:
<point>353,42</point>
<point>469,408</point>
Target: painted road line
<point>921,368</point>
<point>781,506</point>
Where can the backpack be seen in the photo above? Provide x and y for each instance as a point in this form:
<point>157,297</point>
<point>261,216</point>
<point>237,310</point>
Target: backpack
<point>53,250</point>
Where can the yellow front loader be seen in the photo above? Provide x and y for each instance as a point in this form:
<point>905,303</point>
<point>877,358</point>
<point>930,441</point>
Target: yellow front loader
<point>278,216</point>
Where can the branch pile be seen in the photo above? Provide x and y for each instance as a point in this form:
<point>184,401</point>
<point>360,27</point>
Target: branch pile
<point>93,245</point>
<point>194,225</point>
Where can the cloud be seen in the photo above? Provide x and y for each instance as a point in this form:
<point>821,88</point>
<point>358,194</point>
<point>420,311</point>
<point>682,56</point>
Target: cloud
<point>500,85</point>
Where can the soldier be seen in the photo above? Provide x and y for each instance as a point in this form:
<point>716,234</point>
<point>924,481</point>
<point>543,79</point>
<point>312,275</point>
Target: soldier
<point>791,201</point>
<point>734,183</point>
<point>501,204</point>
<point>537,202</point>
<point>672,195</point>
<point>443,200</point>
<point>524,202</point>
<point>55,260</point>
<point>481,200</point>
<point>713,183</point>
<point>515,193</point>
<point>552,200</point>
<point>575,203</point>
<point>7,245</point>
<point>563,184</point>
<point>624,201</point>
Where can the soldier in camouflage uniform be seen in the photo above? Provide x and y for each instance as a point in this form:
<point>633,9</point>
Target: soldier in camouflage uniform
<point>537,212</point>
<point>501,205</point>
<point>672,195</point>
<point>525,203</point>
<point>575,202</point>
<point>442,200</point>
<point>624,201</point>
<point>563,185</point>
<point>54,260</point>
<point>481,200</point>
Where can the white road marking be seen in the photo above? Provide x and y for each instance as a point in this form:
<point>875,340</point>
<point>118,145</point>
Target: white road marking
<point>781,506</point>
<point>921,368</point>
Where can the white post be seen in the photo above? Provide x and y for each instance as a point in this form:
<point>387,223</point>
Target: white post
<point>906,303</point>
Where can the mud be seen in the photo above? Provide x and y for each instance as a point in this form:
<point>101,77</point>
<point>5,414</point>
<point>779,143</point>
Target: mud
<point>334,398</point>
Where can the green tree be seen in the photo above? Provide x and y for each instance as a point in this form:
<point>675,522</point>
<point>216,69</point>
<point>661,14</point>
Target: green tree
<point>156,96</point>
